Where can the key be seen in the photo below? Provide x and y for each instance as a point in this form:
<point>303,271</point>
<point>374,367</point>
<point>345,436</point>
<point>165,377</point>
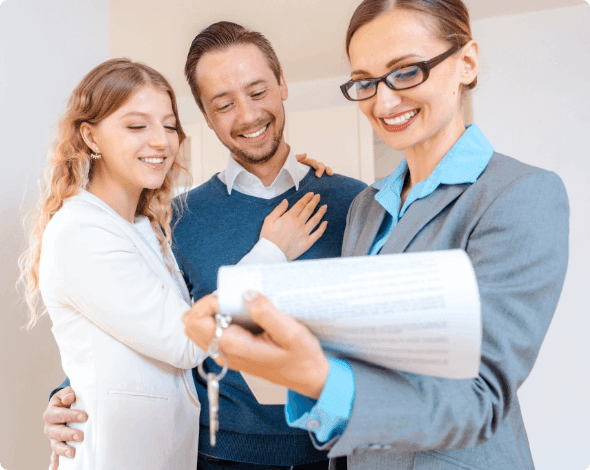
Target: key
<point>213,396</point>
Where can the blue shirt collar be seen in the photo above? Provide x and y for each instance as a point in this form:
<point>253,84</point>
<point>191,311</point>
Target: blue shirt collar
<point>462,164</point>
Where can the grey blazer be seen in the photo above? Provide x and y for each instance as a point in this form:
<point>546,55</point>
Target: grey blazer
<point>513,224</point>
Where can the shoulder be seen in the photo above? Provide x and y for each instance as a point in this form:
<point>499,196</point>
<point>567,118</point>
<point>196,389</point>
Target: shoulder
<point>81,227</point>
<point>210,188</point>
<point>342,184</point>
<point>198,200</point>
<point>504,174</point>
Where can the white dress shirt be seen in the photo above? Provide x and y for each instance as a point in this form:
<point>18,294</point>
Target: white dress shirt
<point>237,178</point>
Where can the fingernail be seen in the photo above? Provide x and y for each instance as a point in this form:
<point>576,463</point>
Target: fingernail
<point>68,453</point>
<point>76,437</point>
<point>250,295</point>
<point>80,417</point>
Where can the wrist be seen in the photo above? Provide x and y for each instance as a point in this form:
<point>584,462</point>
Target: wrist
<point>316,376</point>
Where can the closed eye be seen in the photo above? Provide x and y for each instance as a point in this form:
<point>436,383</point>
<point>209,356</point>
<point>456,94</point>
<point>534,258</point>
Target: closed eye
<point>224,107</point>
<point>363,84</point>
<point>258,95</point>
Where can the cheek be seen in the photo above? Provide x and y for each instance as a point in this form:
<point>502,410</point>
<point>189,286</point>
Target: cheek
<point>366,108</point>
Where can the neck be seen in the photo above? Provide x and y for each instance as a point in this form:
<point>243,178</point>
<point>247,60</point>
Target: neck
<point>267,171</point>
<point>423,158</point>
<point>123,200</point>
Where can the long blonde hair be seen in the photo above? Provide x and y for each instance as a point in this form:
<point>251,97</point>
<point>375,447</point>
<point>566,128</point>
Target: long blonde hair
<point>100,93</point>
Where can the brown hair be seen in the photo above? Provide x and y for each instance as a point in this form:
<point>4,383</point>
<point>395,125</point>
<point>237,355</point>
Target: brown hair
<point>218,37</point>
<point>100,93</point>
<point>450,19</point>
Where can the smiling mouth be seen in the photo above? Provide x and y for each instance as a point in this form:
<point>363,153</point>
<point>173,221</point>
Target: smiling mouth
<point>255,134</point>
<point>153,160</point>
<point>401,120</point>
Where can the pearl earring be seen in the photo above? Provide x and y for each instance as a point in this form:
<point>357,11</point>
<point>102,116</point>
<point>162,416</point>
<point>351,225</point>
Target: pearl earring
<point>97,155</point>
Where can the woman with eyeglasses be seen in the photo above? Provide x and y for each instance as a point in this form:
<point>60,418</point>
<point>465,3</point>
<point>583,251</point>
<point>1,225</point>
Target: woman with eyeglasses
<point>413,62</point>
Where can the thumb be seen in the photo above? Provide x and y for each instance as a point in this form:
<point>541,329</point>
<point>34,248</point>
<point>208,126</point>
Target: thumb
<point>283,329</point>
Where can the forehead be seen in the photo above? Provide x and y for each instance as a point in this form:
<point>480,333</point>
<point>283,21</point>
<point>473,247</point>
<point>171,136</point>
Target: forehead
<point>231,69</point>
<point>147,100</point>
<point>394,34</point>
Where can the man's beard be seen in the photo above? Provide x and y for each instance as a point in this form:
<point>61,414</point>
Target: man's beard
<point>253,159</point>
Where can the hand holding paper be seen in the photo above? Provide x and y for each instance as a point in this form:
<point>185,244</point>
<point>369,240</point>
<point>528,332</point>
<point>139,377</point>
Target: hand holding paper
<point>415,312</point>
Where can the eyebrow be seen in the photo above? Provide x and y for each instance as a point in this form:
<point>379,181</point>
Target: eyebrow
<point>389,65</point>
<point>253,83</point>
<point>137,113</point>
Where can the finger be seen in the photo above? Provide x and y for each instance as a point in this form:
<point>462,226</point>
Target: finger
<point>63,397</point>
<point>62,433</point>
<point>315,236</point>
<point>316,219</point>
<point>299,205</point>
<point>247,352</point>
<point>54,463</point>
<point>309,208</point>
<point>329,171</point>
<point>207,306</point>
<point>199,324</point>
<point>62,449</point>
<point>301,157</point>
<point>283,329</point>
<point>59,415</point>
<point>320,168</point>
<point>278,211</point>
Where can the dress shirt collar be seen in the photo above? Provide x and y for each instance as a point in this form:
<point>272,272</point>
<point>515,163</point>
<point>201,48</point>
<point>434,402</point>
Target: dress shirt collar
<point>462,164</point>
<point>290,175</point>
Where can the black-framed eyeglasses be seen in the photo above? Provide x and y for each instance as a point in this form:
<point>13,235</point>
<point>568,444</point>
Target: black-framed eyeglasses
<point>402,78</point>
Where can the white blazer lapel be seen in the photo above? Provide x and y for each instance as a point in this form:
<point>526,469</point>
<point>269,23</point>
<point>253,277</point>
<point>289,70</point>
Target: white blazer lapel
<point>144,248</point>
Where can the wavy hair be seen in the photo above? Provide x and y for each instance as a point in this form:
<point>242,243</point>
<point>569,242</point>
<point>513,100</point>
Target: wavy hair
<point>100,93</point>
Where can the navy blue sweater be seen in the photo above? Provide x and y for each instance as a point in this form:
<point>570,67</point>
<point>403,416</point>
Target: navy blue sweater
<point>216,230</point>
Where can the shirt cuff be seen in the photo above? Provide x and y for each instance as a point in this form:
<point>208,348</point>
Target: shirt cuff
<point>264,252</point>
<point>328,416</point>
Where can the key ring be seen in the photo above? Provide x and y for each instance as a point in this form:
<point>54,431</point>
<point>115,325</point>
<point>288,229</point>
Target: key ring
<point>221,322</point>
<point>219,376</point>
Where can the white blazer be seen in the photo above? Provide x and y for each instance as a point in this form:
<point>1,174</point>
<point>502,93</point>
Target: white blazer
<point>116,313</point>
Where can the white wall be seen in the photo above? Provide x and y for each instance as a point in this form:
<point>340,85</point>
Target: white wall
<point>533,103</point>
<point>46,47</point>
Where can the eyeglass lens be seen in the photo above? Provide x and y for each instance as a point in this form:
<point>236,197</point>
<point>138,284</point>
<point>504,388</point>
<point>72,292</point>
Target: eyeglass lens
<point>399,79</point>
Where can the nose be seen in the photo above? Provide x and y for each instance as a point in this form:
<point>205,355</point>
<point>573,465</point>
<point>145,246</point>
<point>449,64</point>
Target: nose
<point>249,111</point>
<point>158,137</point>
<point>387,100</point>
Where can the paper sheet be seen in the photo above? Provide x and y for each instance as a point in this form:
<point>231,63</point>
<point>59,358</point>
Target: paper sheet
<point>414,312</point>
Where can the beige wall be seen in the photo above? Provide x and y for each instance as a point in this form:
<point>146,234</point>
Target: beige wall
<point>532,102</point>
<point>46,48</point>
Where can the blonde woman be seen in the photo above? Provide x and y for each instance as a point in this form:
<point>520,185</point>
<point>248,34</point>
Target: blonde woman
<point>100,256</point>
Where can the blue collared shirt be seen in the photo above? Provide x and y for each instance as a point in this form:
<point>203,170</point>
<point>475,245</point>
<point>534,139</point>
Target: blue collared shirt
<point>328,416</point>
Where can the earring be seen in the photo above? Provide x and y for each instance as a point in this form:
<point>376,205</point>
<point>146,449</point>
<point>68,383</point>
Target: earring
<point>97,155</point>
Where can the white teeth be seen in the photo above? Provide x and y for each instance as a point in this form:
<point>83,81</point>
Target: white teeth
<point>255,134</point>
<point>401,119</point>
<point>152,160</point>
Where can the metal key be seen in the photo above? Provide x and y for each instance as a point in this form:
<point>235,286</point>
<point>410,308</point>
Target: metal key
<point>222,321</point>
<point>213,397</point>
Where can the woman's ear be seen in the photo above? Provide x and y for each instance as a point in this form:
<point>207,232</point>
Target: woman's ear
<point>469,62</point>
<point>88,137</point>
